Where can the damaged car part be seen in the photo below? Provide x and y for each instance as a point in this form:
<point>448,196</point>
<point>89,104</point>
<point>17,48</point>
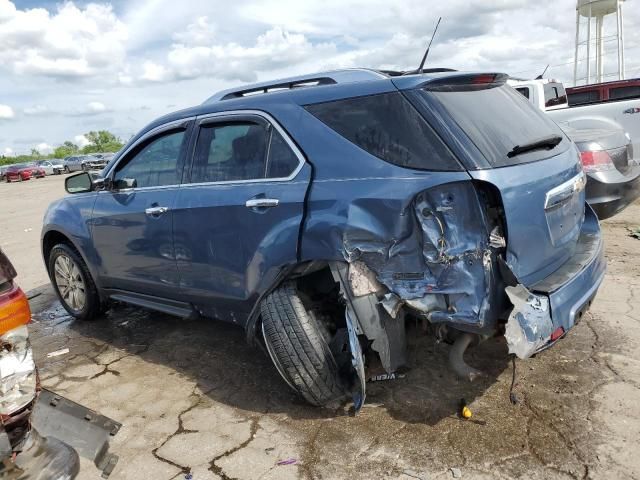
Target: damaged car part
<point>24,453</point>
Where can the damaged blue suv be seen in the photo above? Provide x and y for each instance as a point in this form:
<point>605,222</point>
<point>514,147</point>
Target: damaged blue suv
<point>321,213</point>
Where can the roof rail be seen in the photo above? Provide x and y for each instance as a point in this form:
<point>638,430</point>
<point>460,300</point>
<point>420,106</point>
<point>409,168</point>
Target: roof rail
<point>312,80</point>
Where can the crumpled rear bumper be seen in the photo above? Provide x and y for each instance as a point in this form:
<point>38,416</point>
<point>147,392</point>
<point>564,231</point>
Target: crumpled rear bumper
<point>544,312</point>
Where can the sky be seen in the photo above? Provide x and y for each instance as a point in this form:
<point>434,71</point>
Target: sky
<point>70,67</point>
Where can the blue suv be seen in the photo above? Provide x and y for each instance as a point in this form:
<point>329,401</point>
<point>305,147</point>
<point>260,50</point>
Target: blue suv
<point>326,213</point>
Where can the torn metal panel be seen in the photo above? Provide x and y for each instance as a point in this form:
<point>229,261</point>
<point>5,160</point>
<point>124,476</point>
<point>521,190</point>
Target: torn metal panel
<point>386,333</point>
<point>529,326</point>
<point>357,360</point>
<point>83,429</point>
<point>433,254</point>
<point>42,459</point>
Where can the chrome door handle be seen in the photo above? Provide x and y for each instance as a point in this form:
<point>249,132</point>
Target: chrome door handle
<point>156,211</point>
<point>262,202</point>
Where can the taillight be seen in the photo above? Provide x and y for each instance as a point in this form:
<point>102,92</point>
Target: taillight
<point>14,310</point>
<point>596,161</point>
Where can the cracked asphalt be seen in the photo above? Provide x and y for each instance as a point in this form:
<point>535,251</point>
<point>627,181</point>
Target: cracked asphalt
<point>193,398</point>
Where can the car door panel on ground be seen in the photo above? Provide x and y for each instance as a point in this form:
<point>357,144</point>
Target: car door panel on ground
<point>132,221</point>
<point>245,196</point>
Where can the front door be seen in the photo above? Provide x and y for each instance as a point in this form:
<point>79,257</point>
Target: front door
<point>132,220</point>
<point>237,220</point>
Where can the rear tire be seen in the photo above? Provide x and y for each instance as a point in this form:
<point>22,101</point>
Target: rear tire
<point>73,283</point>
<point>298,348</point>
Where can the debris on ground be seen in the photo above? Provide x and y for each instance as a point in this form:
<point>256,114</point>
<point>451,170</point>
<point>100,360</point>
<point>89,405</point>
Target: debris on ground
<point>634,232</point>
<point>414,474</point>
<point>57,353</point>
<point>456,472</point>
<point>288,461</point>
<point>465,411</point>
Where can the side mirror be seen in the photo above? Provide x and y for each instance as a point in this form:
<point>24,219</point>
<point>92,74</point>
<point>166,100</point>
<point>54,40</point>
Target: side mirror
<point>124,183</point>
<point>79,183</point>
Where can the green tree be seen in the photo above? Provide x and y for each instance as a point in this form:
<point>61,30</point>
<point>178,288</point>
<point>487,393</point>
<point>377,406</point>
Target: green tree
<point>66,149</point>
<point>102,141</point>
<point>35,152</point>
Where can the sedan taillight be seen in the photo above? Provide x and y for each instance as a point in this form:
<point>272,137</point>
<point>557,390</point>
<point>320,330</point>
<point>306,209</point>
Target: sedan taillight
<point>596,161</point>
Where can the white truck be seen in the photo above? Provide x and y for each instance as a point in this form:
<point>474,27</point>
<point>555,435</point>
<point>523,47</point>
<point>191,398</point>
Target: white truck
<point>550,96</point>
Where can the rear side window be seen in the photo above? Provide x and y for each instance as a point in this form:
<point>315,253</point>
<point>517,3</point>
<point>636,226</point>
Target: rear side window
<point>496,118</point>
<point>523,91</point>
<point>388,127</point>
<point>624,92</point>
<point>580,98</point>
<point>241,150</point>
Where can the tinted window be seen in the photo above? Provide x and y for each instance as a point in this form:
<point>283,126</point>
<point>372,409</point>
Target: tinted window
<point>580,98</point>
<point>496,118</point>
<point>624,92</point>
<point>390,128</point>
<point>230,152</point>
<point>282,161</point>
<point>157,163</point>
<point>524,91</point>
<point>554,94</point>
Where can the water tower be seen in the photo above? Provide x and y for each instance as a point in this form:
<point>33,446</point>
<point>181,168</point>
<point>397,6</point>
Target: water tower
<point>598,10</point>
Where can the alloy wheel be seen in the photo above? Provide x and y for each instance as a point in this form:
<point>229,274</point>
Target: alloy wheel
<point>70,283</point>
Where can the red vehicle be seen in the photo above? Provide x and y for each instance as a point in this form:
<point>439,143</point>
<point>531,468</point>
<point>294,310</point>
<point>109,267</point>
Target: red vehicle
<point>602,92</point>
<point>23,172</point>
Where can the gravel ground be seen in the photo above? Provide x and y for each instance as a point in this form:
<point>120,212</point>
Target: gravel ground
<point>194,398</point>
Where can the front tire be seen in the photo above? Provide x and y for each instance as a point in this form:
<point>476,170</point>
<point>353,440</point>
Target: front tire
<point>298,349</point>
<point>73,283</point>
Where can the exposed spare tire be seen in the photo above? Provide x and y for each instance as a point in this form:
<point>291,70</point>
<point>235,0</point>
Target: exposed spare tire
<point>298,348</point>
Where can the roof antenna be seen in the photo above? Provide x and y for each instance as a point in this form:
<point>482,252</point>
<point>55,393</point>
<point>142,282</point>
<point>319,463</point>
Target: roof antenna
<point>424,59</point>
<point>539,77</point>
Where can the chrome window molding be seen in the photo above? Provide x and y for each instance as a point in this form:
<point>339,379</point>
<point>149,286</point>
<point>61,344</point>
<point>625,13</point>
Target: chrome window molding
<point>221,116</point>
<point>145,137</point>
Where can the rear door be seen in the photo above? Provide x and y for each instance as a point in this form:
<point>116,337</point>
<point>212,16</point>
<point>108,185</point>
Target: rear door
<point>542,189</point>
<point>237,219</point>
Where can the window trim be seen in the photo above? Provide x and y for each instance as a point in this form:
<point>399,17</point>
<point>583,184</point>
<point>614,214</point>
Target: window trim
<point>184,122</point>
<point>232,116</point>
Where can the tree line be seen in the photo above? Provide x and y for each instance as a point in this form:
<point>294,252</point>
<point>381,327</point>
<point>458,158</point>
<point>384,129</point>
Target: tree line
<point>100,141</point>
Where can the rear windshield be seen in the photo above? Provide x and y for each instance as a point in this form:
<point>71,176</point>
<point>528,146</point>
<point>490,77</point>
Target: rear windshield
<point>388,127</point>
<point>496,118</point>
<point>554,94</point>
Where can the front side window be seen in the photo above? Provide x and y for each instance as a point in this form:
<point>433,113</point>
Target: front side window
<point>156,163</point>
<point>240,151</point>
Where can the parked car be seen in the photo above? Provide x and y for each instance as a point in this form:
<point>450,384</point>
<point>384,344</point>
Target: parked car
<point>3,169</point>
<point>72,164</point>
<point>95,162</point>
<point>51,167</point>
<point>327,213</point>
<point>622,112</point>
<point>23,452</point>
<point>18,173</point>
<point>598,92</point>
<point>607,158</point>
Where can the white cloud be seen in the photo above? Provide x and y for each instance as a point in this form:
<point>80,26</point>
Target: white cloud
<point>81,141</point>
<point>44,148</point>
<point>72,42</point>
<point>6,112</point>
<point>8,152</point>
<point>272,50</point>
<point>36,110</point>
<point>96,107</point>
